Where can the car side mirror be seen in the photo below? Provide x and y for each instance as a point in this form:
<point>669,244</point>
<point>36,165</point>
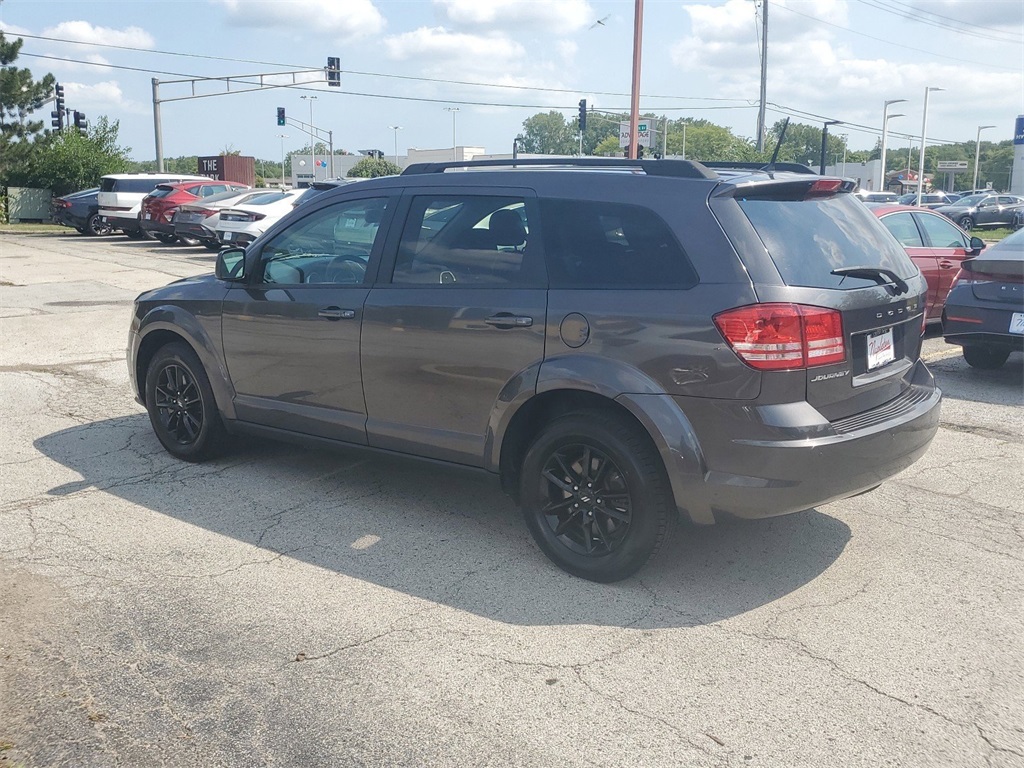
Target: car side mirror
<point>977,246</point>
<point>231,265</point>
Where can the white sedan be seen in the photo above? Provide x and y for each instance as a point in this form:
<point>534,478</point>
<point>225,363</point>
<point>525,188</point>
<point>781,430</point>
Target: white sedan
<point>242,224</point>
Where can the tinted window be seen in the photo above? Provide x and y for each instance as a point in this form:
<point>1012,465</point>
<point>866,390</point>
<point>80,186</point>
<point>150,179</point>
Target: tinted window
<point>160,192</point>
<point>330,246</point>
<point>458,241</point>
<point>609,245</point>
<point>807,239</point>
<point>904,229</point>
<point>941,233</point>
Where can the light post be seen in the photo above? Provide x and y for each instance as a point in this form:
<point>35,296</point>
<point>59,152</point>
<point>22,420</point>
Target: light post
<point>454,111</point>
<point>924,128</point>
<point>824,143</point>
<point>312,136</point>
<point>396,129</point>
<point>282,137</point>
<point>977,154</point>
<point>885,132</point>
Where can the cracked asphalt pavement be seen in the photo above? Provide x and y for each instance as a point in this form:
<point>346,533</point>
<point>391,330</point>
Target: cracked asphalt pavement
<point>289,607</point>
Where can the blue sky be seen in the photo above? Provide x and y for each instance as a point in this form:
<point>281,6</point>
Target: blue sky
<point>500,61</point>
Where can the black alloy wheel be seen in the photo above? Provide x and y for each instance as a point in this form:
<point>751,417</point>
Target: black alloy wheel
<point>181,405</point>
<point>212,245</point>
<point>966,223</point>
<point>985,358</point>
<point>595,496</point>
<point>165,238</point>
<point>97,226</point>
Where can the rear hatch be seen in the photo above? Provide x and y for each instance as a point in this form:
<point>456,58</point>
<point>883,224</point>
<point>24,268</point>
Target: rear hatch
<point>855,333</point>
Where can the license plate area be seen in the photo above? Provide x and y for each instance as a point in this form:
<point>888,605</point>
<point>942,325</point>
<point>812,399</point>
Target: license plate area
<point>881,349</point>
<point>1017,322</point>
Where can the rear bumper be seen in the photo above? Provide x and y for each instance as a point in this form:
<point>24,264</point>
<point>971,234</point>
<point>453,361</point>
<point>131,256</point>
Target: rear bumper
<point>122,223</point>
<point>990,327</point>
<point>195,230</point>
<point>156,226</point>
<point>765,461</point>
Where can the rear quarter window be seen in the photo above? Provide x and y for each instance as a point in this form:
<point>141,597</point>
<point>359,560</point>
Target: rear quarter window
<point>590,244</point>
<point>808,238</point>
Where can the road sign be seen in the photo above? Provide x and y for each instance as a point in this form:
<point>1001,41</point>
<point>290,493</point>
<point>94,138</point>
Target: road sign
<point>952,166</point>
<point>644,130</point>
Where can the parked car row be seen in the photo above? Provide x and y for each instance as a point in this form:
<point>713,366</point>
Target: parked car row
<point>988,210</point>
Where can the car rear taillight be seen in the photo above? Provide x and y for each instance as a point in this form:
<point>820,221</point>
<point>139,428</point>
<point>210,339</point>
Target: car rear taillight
<point>963,277</point>
<point>64,203</point>
<point>242,216</point>
<point>784,336</point>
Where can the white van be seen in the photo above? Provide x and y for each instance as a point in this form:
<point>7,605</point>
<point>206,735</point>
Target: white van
<point>120,197</point>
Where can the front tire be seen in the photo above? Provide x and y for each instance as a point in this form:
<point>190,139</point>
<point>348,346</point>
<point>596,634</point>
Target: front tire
<point>595,496</point>
<point>181,405</point>
<point>966,223</point>
<point>985,358</point>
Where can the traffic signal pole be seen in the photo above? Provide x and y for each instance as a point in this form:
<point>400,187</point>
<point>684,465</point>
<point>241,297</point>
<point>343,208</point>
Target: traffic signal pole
<point>257,82</point>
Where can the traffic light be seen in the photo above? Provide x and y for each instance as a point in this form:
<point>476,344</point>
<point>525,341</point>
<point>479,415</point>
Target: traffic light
<point>80,123</point>
<point>58,113</point>
<point>280,116</point>
<point>334,71</point>
<point>583,115</point>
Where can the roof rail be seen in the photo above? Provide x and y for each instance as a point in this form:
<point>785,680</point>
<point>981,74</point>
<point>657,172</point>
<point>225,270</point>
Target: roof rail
<point>792,167</point>
<point>680,168</point>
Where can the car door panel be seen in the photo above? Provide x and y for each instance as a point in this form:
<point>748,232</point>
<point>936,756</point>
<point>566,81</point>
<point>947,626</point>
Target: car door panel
<point>454,325</point>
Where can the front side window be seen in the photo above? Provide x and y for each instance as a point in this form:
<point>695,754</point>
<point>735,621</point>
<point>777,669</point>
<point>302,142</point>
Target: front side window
<point>941,233</point>
<point>467,240</point>
<point>611,245</point>
<point>330,246</point>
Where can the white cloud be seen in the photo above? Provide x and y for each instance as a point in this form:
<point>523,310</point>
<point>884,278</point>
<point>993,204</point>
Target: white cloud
<point>84,32</point>
<point>557,16</point>
<point>567,50</point>
<point>346,20</point>
<point>970,14</point>
<point>456,53</point>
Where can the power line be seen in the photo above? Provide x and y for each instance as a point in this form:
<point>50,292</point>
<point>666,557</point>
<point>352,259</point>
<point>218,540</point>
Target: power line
<point>414,78</point>
<point>891,42</point>
<point>913,15</point>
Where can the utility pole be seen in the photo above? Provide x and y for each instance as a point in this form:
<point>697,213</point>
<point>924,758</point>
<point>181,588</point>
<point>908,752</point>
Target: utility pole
<point>634,106</point>
<point>764,75</point>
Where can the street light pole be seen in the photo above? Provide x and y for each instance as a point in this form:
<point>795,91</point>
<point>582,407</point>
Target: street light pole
<point>977,154</point>
<point>312,135</point>
<point>455,112</point>
<point>885,127</point>
<point>824,143</point>
<point>396,129</point>
<point>924,128</point>
<point>282,137</point>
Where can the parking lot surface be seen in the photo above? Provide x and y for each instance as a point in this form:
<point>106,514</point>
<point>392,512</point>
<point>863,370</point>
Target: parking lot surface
<point>293,607</point>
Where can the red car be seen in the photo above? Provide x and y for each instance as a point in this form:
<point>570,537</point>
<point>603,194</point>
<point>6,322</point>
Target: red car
<point>935,244</point>
<point>158,206</point>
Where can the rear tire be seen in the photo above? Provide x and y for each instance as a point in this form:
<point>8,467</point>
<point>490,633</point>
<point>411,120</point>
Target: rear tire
<point>985,358</point>
<point>97,227</point>
<point>212,245</point>
<point>183,240</point>
<point>181,405</point>
<point>166,239</point>
<point>134,234</point>
<point>595,496</point>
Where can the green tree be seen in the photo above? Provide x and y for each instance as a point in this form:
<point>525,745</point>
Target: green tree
<point>20,96</point>
<point>69,161</point>
<point>548,133</point>
<point>708,142</point>
<point>372,167</point>
<point>803,144</point>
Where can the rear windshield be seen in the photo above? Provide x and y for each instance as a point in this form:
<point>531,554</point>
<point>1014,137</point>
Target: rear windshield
<point>160,192</point>
<point>807,239</point>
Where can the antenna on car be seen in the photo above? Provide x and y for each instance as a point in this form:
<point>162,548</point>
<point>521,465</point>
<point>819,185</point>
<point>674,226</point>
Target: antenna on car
<point>778,145</point>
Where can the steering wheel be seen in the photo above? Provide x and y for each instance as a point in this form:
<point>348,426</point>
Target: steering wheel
<point>346,269</point>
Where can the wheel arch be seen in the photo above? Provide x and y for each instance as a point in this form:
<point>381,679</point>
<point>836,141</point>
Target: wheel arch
<point>167,325</point>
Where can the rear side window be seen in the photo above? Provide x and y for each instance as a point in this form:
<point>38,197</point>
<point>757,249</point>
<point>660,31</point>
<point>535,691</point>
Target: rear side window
<point>808,238</point>
<point>592,244</point>
<point>904,229</point>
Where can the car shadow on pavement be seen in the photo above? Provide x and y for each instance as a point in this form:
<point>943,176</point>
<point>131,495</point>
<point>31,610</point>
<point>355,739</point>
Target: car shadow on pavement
<point>444,535</point>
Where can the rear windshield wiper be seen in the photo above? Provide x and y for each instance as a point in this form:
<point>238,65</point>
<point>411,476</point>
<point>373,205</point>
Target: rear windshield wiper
<point>880,275</point>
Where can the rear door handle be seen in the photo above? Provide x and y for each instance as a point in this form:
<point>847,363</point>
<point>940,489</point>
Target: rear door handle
<point>336,313</point>
<point>508,320</point>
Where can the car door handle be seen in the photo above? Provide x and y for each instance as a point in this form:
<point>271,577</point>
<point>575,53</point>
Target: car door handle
<point>946,264</point>
<point>508,320</point>
<point>336,313</point>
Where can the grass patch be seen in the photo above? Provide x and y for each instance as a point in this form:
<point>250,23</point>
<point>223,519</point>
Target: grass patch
<point>27,229</point>
<point>992,235</point>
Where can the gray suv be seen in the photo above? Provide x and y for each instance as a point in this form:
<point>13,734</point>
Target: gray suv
<point>622,343</point>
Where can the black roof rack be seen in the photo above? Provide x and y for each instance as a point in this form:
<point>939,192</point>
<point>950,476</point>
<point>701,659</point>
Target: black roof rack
<point>680,168</point>
<point>792,167</point>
